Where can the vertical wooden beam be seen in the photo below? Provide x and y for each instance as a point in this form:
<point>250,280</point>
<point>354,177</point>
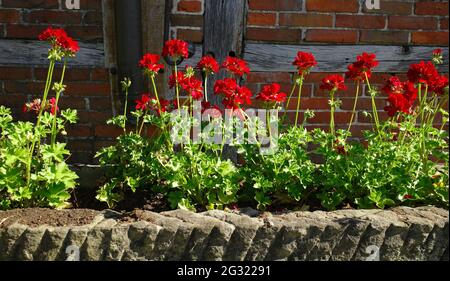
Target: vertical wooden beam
<point>109,41</point>
<point>153,32</point>
<point>224,25</point>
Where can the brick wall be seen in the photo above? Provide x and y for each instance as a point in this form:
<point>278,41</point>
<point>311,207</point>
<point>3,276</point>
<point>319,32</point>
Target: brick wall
<point>398,22</point>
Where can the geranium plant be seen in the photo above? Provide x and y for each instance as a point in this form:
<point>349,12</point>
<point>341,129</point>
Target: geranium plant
<point>33,171</point>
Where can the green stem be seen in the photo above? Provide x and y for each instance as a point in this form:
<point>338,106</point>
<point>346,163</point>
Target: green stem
<point>55,117</point>
<point>206,87</point>
<point>143,122</point>
<point>156,92</point>
<point>332,125</point>
<point>299,100</point>
<point>354,106</point>
<point>177,90</point>
<point>43,102</point>
<point>289,99</point>
<point>374,105</point>
<point>125,111</point>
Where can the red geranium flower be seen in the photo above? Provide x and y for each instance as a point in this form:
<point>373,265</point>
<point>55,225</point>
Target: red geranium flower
<point>363,66</point>
<point>53,106</point>
<point>150,62</point>
<point>236,66</point>
<point>333,82</point>
<point>234,95</point>
<point>402,96</point>
<point>208,64</point>
<point>439,85</point>
<point>143,103</point>
<point>59,38</point>
<point>408,196</point>
<point>176,49</point>
<point>423,72</point>
<point>437,52</point>
<point>271,94</point>
<point>193,86</point>
<point>35,106</point>
<point>304,62</point>
<point>173,80</point>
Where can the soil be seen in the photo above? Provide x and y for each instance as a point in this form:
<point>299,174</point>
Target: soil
<point>34,217</point>
<point>141,199</point>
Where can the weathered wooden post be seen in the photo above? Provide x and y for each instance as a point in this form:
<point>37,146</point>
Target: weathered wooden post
<point>224,25</point>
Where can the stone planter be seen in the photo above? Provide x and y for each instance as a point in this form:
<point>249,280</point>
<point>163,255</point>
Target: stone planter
<point>396,234</point>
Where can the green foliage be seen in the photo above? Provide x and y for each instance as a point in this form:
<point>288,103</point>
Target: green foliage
<point>50,180</point>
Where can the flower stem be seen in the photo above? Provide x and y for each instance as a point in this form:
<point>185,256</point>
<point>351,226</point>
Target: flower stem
<point>354,107</point>
<point>332,125</point>
<point>177,90</point>
<point>300,86</point>
<point>55,117</point>
<point>206,87</point>
<point>44,101</point>
<point>156,92</point>
<point>374,105</point>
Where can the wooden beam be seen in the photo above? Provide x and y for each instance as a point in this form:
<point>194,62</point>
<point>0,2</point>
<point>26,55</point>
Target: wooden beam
<point>335,58</point>
<point>32,52</point>
<point>153,27</point>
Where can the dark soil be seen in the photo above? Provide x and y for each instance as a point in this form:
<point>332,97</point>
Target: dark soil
<point>141,199</point>
<point>36,216</point>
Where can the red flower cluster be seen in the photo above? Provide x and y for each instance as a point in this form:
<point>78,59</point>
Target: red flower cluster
<point>208,64</point>
<point>423,72</point>
<point>363,66</point>
<point>176,49</point>
<point>190,84</point>
<point>236,66</point>
<point>35,106</point>
<point>234,95</point>
<point>402,96</point>
<point>150,103</point>
<point>304,62</point>
<point>333,82</point>
<point>271,94</point>
<point>439,85</point>
<point>53,106</point>
<point>150,62</point>
<point>59,39</point>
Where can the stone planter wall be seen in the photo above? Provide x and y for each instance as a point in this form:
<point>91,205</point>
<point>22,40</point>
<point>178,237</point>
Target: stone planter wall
<point>397,234</point>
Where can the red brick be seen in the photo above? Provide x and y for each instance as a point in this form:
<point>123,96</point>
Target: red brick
<point>274,35</point>
<point>386,37</point>
<point>324,118</point>
<point>351,6</point>
<point>90,5</point>
<point>94,89</point>
<point>431,8</point>
<point>362,22</point>
<point>15,73</point>
<point>9,16</point>
<point>100,75</point>
<point>53,17</point>
<point>409,22</point>
<point>261,19</point>
<point>43,4</point>
<point>186,20</point>
<point>389,7</point>
<point>88,33</point>
<point>444,23</point>
<point>107,131</point>
<point>70,75</point>
<point>79,131</point>
<point>328,35</point>
<point>93,18</point>
<point>364,103</point>
<point>309,103</point>
<point>24,87</point>
<point>432,38</point>
<point>23,31</point>
<point>350,92</point>
<point>192,35</point>
<point>80,145</point>
<point>73,103</point>
<point>190,6</point>
<point>100,103</point>
<point>269,77</point>
<point>94,117</point>
<point>276,5</point>
<point>313,20</point>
